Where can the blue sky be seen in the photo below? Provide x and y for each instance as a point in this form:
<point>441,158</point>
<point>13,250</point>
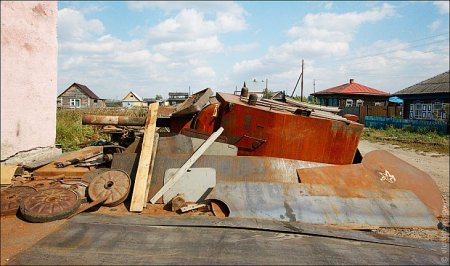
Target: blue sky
<point>156,47</point>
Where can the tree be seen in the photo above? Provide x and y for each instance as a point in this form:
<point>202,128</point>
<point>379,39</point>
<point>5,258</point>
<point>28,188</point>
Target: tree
<point>158,97</point>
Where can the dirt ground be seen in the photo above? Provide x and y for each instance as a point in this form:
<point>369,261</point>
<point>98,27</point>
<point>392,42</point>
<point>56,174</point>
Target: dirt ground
<point>18,235</point>
<point>437,166</point>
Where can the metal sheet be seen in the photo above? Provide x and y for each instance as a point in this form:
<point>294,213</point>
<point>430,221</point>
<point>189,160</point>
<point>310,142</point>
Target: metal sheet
<point>181,144</point>
<point>195,184</point>
<point>287,135</point>
<point>232,168</point>
<point>319,204</point>
<point>378,170</point>
<point>98,239</point>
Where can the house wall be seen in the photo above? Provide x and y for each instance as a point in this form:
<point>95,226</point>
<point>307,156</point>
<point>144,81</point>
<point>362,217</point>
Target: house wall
<point>76,93</point>
<point>29,52</point>
<point>340,100</point>
<point>429,106</point>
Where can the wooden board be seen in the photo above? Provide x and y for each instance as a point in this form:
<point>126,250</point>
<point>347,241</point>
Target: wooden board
<point>140,184</point>
<point>50,169</point>
<point>152,163</point>
<point>7,173</point>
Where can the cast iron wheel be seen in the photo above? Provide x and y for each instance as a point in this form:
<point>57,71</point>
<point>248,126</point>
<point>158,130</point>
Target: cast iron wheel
<point>50,205</point>
<point>11,197</point>
<point>113,184</point>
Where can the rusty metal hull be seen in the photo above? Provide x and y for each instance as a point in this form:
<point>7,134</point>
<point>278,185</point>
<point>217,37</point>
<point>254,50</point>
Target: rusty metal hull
<point>378,170</point>
<point>231,168</point>
<point>259,131</point>
<point>320,204</point>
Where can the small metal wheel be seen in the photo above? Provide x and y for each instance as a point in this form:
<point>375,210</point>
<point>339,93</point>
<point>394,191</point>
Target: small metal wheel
<point>113,184</point>
<point>11,197</point>
<point>50,205</point>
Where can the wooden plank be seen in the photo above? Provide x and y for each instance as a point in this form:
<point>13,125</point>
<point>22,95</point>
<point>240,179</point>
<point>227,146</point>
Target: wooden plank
<point>187,165</point>
<point>69,171</point>
<point>152,163</point>
<point>140,184</point>
<point>7,173</point>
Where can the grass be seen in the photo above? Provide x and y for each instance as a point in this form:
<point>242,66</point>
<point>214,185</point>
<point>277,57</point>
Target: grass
<point>422,140</point>
<point>73,136</point>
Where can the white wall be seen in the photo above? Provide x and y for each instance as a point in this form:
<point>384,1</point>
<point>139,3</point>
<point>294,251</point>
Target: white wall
<point>29,52</point>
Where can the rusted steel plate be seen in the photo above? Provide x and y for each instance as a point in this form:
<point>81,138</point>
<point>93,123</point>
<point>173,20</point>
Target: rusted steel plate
<point>181,144</point>
<point>232,168</point>
<point>103,239</point>
<point>127,162</point>
<point>194,103</point>
<point>112,120</point>
<point>320,204</point>
<point>206,120</point>
<point>378,170</point>
<point>50,204</point>
<point>115,184</point>
<point>259,131</point>
<point>11,197</point>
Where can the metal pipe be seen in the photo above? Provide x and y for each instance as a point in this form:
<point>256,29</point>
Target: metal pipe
<point>112,120</point>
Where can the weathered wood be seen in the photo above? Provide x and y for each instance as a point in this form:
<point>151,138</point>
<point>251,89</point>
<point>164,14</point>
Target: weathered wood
<point>178,202</point>
<point>69,171</point>
<point>192,206</point>
<point>140,184</point>
<point>152,163</point>
<point>7,173</point>
<point>187,165</point>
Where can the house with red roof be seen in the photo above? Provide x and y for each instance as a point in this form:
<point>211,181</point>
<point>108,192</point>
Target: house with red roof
<point>79,96</point>
<point>352,94</point>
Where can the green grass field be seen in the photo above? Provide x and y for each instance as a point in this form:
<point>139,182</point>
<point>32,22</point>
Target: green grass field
<point>426,141</point>
<point>72,135</point>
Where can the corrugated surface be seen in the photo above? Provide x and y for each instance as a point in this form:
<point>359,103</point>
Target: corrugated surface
<point>131,240</point>
<point>320,204</point>
<point>352,88</point>
<point>231,168</point>
<point>436,84</point>
<point>259,131</point>
<point>379,170</point>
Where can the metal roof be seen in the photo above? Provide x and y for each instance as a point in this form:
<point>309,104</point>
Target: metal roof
<point>436,84</point>
<point>352,88</point>
<point>84,89</point>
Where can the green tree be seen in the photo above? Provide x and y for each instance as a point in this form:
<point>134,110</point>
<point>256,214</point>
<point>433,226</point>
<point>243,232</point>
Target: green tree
<point>158,97</point>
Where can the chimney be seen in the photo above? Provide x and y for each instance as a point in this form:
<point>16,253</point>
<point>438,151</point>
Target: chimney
<point>351,81</point>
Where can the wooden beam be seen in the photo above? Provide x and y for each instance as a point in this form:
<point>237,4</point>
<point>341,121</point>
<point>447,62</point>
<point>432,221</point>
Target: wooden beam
<point>187,165</point>
<point>140,184</point>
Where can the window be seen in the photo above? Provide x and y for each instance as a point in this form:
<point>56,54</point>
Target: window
<point>349,103</point>
<point>95,101</point>
<point>378,104</point>
<point>359,102</point>
<point>75,103</point>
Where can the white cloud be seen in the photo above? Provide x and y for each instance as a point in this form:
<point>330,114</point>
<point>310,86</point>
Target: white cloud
<point>328,5</point>
<point>200,45</point>
<point>443,6</point>
<point>435,25</point>
<point>204,72</point>
<point>72,25</point>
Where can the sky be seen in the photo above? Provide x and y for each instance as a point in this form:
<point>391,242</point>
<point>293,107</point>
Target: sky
<point>151,48</point>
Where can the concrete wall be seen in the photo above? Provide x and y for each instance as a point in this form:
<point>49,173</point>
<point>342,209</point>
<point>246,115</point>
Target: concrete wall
<point>29,52</point>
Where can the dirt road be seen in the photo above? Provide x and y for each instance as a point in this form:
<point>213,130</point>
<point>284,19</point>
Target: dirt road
<point>437,166</point>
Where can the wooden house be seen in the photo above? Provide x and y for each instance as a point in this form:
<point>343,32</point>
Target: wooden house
<point>177,97</point>
<point>428,99</point>
<point>132,100</point>
<point>352,94</point>
<point>79,96</point>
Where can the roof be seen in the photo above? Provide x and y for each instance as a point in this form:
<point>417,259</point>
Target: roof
<point>436,84</point>
<point>135,96</point>
<point>352,88</point>
<point>84,89</point>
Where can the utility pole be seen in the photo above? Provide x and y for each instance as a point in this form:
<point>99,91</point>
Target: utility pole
<point>301,84</point>
<point>314,85</point>
<point>189,93</point>
<point>299,77</point>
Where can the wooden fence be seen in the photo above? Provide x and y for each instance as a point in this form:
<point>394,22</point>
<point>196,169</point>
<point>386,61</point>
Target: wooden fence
<point>363,111</point>
<point>382,122</point>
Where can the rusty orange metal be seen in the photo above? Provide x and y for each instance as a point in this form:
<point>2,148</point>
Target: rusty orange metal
<point>378,170</point>
<point>206,119</point>
<point>264,131</point>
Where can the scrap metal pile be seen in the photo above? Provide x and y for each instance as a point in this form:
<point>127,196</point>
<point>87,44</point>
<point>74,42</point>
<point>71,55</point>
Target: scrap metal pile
<point>233,156</point>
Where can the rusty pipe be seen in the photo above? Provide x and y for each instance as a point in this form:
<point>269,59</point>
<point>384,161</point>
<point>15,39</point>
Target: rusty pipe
<point>112,120</point>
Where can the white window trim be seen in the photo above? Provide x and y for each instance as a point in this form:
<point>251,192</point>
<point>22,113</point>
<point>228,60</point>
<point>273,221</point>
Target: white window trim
<point>73,103</point>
